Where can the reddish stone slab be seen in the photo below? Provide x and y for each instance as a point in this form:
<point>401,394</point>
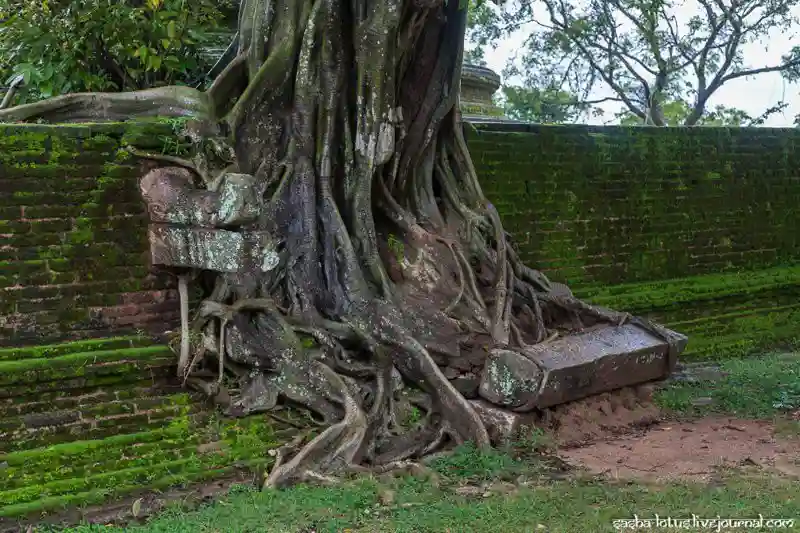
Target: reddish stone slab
<point>601,360</point>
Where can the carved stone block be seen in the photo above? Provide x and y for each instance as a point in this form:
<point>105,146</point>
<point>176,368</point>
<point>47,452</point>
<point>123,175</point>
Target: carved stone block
<point>510,379</point>
<point>599,360</point>
<point>211,249</point>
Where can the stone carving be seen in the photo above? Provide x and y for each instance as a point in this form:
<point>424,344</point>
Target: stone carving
<point>196,228</point>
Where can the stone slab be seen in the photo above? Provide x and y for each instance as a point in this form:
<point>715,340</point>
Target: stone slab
<point>211,249</point>
<point>601,360</point>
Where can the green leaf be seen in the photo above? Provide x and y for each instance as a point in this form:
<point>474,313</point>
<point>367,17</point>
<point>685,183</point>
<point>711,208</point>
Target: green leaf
<point>47,72</point>
<point>57,54</point>
<point>153,62</point>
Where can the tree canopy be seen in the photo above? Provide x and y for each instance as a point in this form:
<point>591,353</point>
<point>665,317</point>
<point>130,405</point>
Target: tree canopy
<point>677,112</point>
<point>547,106</point>
<point>61,47</point>
<point>639,52</point>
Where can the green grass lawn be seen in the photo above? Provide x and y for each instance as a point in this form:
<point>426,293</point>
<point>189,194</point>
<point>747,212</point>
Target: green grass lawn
<point>507,492</point>
<point>754,387</point>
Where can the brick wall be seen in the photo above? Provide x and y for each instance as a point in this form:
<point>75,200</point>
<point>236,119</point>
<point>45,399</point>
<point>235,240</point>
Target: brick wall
<point>72,235</point>
<point>96,419</point>
<point>609,205</point>
<point>591,206</point>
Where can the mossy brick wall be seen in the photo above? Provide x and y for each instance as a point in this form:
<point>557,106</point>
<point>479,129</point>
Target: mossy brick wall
<point>85,421</point>
<point>696,228</point>
<point>88,421</point>
<point>617,213</point>
<point>595,206</point>
<point>73,234</point>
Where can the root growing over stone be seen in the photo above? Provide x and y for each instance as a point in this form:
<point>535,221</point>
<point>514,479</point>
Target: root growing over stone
<point>384,263</point>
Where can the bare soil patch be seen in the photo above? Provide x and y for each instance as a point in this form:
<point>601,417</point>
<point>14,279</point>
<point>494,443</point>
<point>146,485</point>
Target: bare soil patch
<point>602,417</point>
<point>692,450</point>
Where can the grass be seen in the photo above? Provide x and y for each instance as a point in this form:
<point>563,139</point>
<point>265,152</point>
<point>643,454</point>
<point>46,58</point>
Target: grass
<point>753,387</point>
<point>420,505</point>
<point>506,491</point>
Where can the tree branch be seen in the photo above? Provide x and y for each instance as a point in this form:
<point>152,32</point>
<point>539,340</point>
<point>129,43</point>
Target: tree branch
<point>762,70</point>
<point>590,59</point>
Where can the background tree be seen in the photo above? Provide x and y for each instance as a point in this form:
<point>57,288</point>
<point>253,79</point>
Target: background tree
<point>637,49</point>
<point>61,47</point>
<point>677,112</point>
<point>331,144</point>
<point>545,106</point>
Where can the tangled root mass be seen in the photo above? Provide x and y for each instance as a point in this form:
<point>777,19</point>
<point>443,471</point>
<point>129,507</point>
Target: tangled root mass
<point>387,263</point>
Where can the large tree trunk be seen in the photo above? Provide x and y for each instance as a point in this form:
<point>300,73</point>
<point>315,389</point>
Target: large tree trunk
<point>386,258</point>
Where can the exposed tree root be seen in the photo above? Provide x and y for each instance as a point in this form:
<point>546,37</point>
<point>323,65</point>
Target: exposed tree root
<point>91,107</point>
<point>389,258</point>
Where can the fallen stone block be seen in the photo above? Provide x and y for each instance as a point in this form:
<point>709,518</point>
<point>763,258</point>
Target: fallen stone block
<point>601,360</point>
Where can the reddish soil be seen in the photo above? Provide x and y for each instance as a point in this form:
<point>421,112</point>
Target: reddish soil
<point>690,451</point>
<point>603,416</point>
<point>623,435</point>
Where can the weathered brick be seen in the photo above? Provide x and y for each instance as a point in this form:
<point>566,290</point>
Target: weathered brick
<point>616,204</point>
<point>590,205</point>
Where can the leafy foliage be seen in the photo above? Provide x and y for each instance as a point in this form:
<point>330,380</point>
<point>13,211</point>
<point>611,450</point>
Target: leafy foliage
<point>65,46</point>
<point>677,112</point>
<point>637,50</point>
<point>545,106</point>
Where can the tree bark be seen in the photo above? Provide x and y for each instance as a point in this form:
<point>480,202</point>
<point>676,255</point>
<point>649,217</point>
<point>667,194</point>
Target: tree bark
<point>387,258</point>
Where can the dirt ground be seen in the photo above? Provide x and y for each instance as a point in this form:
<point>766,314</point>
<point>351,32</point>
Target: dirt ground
<point>601,417</point>
<point>623,435</point>
<point>693,450</point>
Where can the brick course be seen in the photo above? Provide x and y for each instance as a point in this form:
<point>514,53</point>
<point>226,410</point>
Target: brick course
<point>608,205</point>
<point>73,243</point>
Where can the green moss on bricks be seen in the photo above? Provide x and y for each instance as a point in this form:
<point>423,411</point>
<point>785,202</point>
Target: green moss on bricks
<point>81,154</point>
<point>104,495</point>
<point>78,473</point>
<point>61,475</point>
<point>659,294</point>
<point>22,392</point>
<point>643,204</point>
<point>743,333</point>
<point>148,134</point>
<point>724,315</point>
<point>15,372</point>
<point>83,458</point>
